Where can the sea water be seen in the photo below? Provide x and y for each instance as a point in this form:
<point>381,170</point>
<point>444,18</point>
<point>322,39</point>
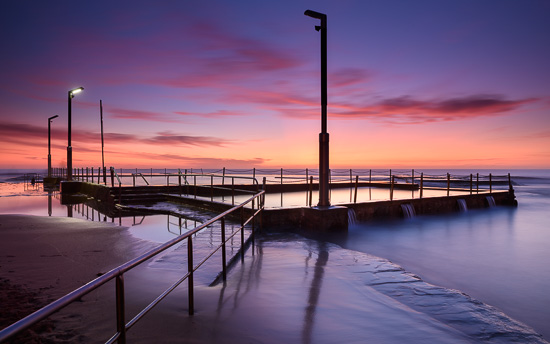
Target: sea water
<point>498,256</point>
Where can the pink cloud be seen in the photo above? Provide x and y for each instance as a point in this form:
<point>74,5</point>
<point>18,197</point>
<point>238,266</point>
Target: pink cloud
<point>348,76</point>
<point>219,113</point>
<point>36,136</point>
<point>408,110</point>
<point>136,114</point>
<point>167,138</point>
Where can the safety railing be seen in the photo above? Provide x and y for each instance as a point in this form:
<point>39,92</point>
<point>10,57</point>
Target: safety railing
<point>216,183</point>
<point>117,273</point>
<point>354,179</point>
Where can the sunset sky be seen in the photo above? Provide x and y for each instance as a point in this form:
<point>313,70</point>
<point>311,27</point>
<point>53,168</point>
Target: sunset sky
<point>211,84</point>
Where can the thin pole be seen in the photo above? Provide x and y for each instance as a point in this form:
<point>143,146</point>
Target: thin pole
<point>50,119</point>
<point>49,150</point>
<point>69,147</point>
<point>102,142</point>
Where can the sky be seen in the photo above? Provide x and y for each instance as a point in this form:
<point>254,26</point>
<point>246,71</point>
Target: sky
<point>236,84</point>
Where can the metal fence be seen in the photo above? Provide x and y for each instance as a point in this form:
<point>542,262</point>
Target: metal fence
<point>117,274</point>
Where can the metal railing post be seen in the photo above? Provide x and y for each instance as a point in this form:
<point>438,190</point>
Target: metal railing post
<point>356,184</point>
<point>448,184</point>
<point>262,204</point>
<point>392,181</point>
<point>421,184</point>
<point>253,217</point>
<point>190,271</point>
<point>242,233</point>
<point>211,188</point>
<point>310,190</point>
<point>186,183</point>
<point>224,262</point>
<point>120,309</point>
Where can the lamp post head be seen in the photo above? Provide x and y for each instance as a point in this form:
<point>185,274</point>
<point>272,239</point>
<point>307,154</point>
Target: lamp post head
<point>74,91</point>
<point>314,14</point>
<point>51,118</point>
<point>321,16</point>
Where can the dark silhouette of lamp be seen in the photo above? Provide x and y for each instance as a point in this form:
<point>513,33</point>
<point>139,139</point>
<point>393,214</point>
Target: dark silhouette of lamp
<point>50,119</point>
<point>323,136</point>
<point>69,147</point>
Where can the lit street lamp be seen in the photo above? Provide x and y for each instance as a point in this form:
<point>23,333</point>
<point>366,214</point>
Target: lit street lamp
<point>323,136</point>
<point>69,147</point>
<point>50,119</point>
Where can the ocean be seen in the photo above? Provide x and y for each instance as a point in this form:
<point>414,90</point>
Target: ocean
<point>498,256</point>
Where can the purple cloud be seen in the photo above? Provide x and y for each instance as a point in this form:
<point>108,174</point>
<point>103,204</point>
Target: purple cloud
<point>167,138</point>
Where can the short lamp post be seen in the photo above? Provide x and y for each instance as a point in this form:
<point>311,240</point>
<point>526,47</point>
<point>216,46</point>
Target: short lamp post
<point>50,119</point>
<point>69,147</point>
<point>323,136</point>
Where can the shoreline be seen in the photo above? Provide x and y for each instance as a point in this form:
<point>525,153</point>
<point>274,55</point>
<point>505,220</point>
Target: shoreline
<point>311,290</point>
<point>44,258</point>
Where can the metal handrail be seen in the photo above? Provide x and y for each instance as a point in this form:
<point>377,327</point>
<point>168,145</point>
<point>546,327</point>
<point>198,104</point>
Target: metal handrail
<point>185,175</point>
<point>113,173</point>
<point>142,176</point>
<point>118,273</point>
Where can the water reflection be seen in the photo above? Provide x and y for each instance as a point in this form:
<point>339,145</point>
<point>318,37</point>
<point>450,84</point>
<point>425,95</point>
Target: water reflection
<point>314,291</point>
<point>339,196</point>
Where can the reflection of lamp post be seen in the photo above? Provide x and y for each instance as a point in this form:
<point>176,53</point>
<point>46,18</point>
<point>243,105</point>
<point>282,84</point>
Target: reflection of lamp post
<point>323,136</point>
<point>69,147</point>
<point>50,119</point>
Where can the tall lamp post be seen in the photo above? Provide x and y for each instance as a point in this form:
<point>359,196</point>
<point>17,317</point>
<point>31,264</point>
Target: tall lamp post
<point>50,119</point>
<point>323,136</point>
<point>69,147</point>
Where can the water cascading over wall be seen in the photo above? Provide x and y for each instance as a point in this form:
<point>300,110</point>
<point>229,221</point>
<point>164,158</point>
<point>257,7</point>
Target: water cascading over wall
<point>408,210</point>
<point>462,204</point>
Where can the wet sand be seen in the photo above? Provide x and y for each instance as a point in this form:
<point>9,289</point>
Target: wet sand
<point>44,258</point>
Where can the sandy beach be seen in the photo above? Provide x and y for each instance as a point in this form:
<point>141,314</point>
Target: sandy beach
<point>44,258</point>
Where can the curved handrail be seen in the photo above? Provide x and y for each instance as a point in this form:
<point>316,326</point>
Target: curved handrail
<point>118,272</point>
